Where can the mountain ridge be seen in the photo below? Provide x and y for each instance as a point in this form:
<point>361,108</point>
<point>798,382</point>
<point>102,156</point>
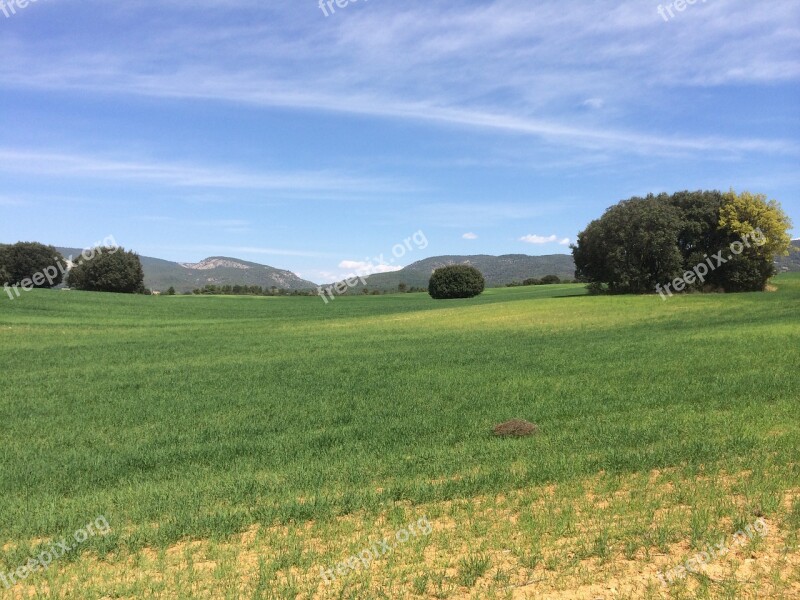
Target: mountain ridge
<point>498,271</point>
<point>160,274</point>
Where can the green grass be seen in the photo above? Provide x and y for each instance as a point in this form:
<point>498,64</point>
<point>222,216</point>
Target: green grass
<point>195,417</point>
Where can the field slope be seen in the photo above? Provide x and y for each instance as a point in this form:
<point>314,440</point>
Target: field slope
<point>238,445</point>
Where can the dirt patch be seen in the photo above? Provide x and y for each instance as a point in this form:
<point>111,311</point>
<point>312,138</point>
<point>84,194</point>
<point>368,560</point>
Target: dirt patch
<point>515,428</point>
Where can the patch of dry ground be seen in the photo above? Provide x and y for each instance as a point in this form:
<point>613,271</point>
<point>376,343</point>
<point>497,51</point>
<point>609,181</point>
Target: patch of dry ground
<point>603,538</point>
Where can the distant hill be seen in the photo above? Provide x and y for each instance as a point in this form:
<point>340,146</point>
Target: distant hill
<point>791,262</point>
<point>217,270</point>
<point>498,270</point>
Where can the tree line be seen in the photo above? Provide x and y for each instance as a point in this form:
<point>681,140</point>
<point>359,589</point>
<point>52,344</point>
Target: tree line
<point>104,269</point>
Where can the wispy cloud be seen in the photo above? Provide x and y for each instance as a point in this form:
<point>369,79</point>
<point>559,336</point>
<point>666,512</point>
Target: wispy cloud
<point>506,66</point>
<point>65,165</point>
<point>470,236</point>
<point>538,239</point>
<point>12,201</point>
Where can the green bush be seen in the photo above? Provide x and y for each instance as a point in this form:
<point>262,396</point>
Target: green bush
<point>643,243</point>
<point>456,281</point>
<point>4,275</point>
<point>29,260</point>
<point>108,270</point>
<point>550,279</point>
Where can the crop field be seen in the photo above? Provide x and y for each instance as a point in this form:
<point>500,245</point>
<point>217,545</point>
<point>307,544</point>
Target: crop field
<point>243,447</point>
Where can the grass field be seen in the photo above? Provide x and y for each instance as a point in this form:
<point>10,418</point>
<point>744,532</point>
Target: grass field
<point>237,446</point>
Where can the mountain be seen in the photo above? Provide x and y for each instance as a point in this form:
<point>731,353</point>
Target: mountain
<point>497,270</point>
<point>791,262</point>
<point>217,270</point>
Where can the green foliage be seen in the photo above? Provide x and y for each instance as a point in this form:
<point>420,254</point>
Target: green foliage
<point>746,213</point>
<point>248,290</point>
<point>472,568</point>
<point>700,236</point>
<point>26,260</point>
<point>632,247</point>
<point>752,216</point>
<point>108,270</point>
<point>546,280</point>
<point>171,291</point>
<point>644,242</point>
<point>456,281</point>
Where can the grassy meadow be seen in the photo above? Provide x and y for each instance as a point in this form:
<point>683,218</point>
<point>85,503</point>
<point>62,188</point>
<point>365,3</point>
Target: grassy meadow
<point>238,445</point>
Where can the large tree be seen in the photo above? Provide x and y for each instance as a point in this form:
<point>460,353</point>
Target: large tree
<point>108,270</point>
<point>632,248</point>
<point>643,242</point>
<point>42,265</point>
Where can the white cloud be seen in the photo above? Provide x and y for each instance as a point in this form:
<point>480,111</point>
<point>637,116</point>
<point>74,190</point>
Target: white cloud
<point>351,268</point>
<point>565,242</point>
<point>367,268</point>
<point>538,239</point>
<point>470,236</point>
<point>595,103</point>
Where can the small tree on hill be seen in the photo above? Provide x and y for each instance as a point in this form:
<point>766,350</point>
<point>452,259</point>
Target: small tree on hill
<point>456,281</point>
<point>43,265</point>
<point>108,270</point>
<point>550,279</point>
<point>171,291</point>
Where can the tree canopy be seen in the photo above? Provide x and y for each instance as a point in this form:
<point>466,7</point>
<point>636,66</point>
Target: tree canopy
<point>108,270</point>
<point>456,281</point>
<point>642,243</point>
<point>42,265</point>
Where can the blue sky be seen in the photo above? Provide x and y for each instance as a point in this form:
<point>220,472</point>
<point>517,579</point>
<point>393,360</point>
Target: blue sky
<point>265,130</point>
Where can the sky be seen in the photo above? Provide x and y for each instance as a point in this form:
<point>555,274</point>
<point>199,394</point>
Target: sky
<point>317,138</point>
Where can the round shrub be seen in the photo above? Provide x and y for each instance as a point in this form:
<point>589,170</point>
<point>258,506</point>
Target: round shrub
<point>456,281</point>
<point>108,270</point>
<point>26,260</point>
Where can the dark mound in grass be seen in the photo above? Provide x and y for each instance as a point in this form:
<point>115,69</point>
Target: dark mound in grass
<point>515,428</point>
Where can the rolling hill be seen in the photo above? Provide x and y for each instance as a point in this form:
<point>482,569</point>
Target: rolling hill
<point>498,270</point>
<point>791,262</point>
<point>217,270</point>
